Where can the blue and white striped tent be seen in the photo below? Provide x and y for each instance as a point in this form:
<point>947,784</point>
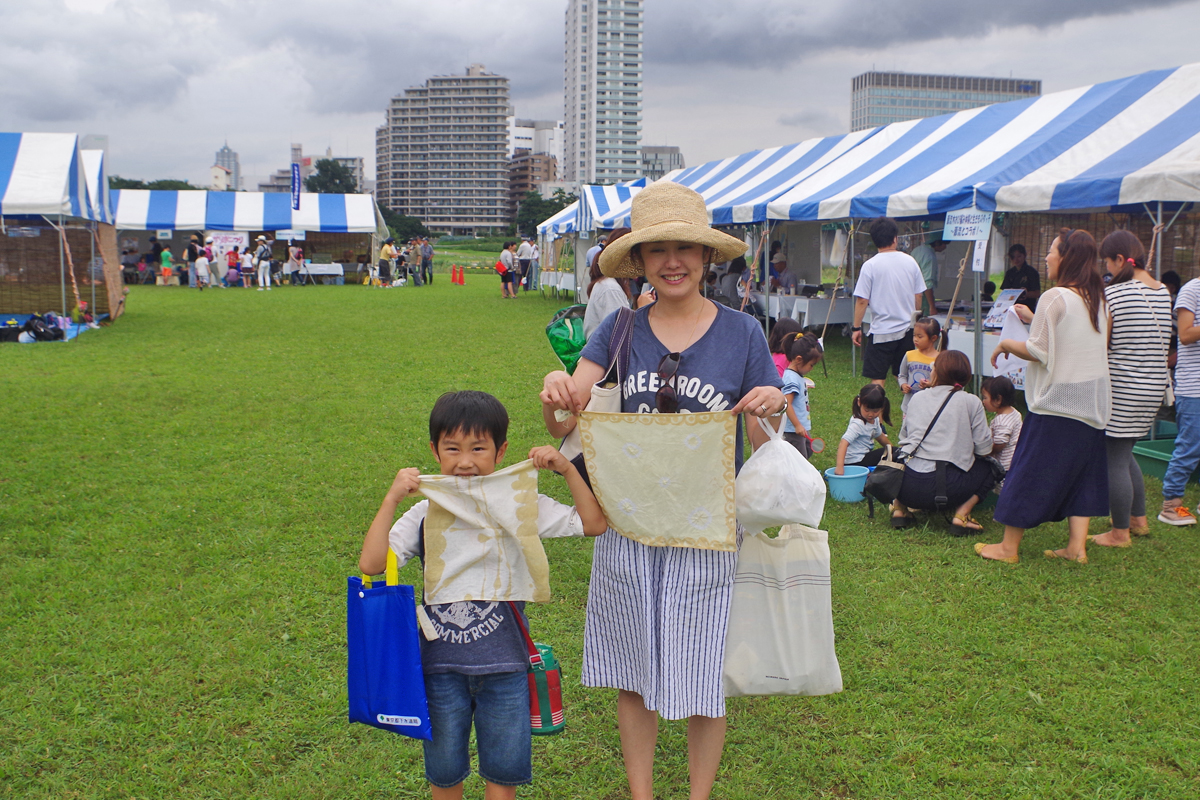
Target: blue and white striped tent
<point>97,185</point>
<point>607,206</point>
<point>561,223</point>
<point>1123,142</point>
<point>42,174</point>
<point>140,209</point>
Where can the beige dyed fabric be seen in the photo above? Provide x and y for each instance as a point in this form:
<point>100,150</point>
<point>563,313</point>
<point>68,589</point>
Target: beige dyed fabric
<point>664,480</point>
<point>481,537</point>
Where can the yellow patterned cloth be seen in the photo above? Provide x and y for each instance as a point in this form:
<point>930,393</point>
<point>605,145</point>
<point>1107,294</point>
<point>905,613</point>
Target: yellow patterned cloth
<point>664,480</point>
<point>481,537</point>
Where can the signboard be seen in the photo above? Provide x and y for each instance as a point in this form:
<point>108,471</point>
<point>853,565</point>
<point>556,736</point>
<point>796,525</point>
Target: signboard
<point>967,225</point>
<point>297,236</point>
<point>224,241</point>
<point>23,233</point>
<point>160,235</point>
<point>296,188</point>
<point>977,263</point>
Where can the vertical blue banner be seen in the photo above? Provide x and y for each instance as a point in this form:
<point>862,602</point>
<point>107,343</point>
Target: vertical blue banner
<point>295,187</point>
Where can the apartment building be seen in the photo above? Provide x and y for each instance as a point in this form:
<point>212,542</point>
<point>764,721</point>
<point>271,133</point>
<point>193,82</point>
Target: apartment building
<point>442,154</point>
<point>602,91</point>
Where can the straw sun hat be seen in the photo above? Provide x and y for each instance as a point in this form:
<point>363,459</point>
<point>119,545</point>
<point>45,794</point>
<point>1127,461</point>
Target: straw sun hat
<point>666,212</point>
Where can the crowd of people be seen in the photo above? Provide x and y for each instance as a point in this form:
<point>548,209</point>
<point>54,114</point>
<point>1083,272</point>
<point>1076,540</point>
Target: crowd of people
<point>397,266</point>
<point>1097,372</point>
<point>201,265</point>
<point>519,266</point>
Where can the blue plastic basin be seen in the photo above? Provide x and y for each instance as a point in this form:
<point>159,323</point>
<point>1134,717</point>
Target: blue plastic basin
<point>847,488</point>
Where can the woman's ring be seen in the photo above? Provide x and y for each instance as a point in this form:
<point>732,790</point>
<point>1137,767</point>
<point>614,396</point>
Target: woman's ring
<point>763,408</point>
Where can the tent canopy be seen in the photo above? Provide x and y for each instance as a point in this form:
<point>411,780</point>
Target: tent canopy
<point>141,209</point>
<point>1118,143</point>
<point>97,185</point>
<point>561,223</point>
<point>42,174</point>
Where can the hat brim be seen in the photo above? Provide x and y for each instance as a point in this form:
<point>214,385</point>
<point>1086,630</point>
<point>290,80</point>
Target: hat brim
<point>616,261</point>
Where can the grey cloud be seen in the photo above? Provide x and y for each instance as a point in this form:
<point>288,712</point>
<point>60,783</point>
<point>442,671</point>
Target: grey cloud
<point>811,119</point>
<point>778,33</point>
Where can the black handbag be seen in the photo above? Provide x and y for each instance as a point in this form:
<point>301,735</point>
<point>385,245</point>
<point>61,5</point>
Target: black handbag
<point>884,483</point>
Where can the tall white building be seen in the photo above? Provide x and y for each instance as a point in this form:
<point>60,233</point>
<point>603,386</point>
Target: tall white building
<point>602,92</point>
<point>229,160</point>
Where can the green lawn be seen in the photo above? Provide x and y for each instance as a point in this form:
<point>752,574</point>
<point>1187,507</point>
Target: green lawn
<point>184,493</point>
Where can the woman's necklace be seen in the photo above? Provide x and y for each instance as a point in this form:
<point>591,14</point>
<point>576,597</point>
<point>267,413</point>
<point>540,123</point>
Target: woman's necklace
<point>695,324</point>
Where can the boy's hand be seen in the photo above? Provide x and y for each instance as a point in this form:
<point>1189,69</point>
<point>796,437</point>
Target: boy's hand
<point>923,383</point>
<point>548,457</point>
<point>406,483</point>
<point>905,388</point>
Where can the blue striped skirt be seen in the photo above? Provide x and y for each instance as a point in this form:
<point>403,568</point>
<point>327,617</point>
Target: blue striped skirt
<point>656,624</point>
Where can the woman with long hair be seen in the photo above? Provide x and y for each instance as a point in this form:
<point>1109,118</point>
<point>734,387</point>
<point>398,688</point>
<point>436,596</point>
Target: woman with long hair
<point>1139,309</point>
<point>604,295</point>
<point>1059,468</point>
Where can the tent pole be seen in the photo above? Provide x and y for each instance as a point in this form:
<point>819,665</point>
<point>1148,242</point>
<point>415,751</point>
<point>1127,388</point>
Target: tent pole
<point>62,264</point>
<point>766,271</point>
<point>978,333</point>
<point>92,268</point>
<point>1158,244</point>
<point>853,282</point>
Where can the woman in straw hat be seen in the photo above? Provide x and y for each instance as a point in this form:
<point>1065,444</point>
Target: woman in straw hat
<point>657,616</point>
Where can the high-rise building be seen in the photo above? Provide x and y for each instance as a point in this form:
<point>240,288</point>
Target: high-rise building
<point>229,160</point>
<point>442,154</point>
<point>602,91</point>
<point>658,161</point>
<point>881,98</point>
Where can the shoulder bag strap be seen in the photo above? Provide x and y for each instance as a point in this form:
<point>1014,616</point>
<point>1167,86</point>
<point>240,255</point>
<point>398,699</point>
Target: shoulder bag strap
<point>535,656</point>
<point>933,422</point>
<point>619,346</point>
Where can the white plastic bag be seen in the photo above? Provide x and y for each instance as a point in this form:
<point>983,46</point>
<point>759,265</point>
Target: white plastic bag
<point>777,485</point>
<point>780,638</point>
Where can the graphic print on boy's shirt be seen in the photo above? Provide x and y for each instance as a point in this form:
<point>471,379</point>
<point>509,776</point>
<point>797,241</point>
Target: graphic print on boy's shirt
<point>474,637</point>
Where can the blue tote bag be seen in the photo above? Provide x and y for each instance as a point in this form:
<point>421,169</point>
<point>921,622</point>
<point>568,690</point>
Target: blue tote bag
<point>384,680</point>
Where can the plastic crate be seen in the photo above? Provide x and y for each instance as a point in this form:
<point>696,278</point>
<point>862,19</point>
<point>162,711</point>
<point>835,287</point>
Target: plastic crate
<point>1153,457</point>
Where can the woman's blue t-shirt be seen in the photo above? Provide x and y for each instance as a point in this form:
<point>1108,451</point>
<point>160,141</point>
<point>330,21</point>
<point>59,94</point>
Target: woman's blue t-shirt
<point>717,371</point>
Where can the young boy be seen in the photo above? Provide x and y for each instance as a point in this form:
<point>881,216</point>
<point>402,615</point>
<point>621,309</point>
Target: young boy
<point>477,665</point>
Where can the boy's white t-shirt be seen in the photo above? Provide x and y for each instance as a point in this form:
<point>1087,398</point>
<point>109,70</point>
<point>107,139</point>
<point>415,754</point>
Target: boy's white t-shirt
<point>890,283</point>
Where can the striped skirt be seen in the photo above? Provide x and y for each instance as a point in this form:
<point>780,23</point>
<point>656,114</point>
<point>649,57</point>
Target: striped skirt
<point>656,623</point>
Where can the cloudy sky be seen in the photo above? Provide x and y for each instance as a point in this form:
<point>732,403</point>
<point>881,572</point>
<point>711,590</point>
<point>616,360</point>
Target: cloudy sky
<point>170,80</point>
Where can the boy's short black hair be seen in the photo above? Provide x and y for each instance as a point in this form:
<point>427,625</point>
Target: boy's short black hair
<point>470,412</point>
<point>1001,388</point>
<point>989,288</point>
<point>883,232</point>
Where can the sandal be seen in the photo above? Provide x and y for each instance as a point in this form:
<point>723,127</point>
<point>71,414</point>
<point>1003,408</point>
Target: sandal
<point>966,523</point>
<point>1055,554</point>
<point>903,521</point>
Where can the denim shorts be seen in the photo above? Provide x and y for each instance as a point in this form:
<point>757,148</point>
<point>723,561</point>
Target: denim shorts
<point>499,704</point>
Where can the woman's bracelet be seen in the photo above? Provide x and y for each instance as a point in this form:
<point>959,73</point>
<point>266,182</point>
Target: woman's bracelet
<point>783,410</point>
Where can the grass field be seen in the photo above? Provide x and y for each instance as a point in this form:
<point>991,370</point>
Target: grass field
<point>183,494</point>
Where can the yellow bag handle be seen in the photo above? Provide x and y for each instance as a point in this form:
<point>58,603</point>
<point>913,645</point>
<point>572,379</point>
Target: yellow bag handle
<point>391,573</point>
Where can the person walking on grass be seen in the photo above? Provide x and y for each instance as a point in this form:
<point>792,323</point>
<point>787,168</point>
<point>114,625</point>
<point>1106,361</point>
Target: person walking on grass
<point>891,285</point>
<point>1139,309</point>
<point>262,261</point>
<point>1059,469</point>
<point>1186,454</point>
<point>427,260</point>
<point>508,262</point>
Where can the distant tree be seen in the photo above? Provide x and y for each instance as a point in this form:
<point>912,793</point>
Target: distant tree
<point>535,209</point>
<point>403,227</point>
<point>331,178</point>
<point>166,184</point>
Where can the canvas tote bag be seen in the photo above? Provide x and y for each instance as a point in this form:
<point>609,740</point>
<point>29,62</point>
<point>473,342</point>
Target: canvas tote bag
<point>665,480</point>
<point>780,637</point>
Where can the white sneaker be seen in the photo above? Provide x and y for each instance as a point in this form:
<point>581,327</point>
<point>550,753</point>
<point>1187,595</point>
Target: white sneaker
<point>260,288</point>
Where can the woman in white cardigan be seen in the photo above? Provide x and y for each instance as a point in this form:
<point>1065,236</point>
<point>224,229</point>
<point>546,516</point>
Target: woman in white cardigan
<point>605,294</point>
<point>1059,470</point>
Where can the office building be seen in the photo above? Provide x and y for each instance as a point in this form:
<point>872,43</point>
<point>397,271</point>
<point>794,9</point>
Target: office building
<point>229,160</point>
<point>281,180</point>
<point>602,91</point>
<point>881,98</point>
<point>658,161</point>
<point>538,136</point>
<point>442,154</point>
